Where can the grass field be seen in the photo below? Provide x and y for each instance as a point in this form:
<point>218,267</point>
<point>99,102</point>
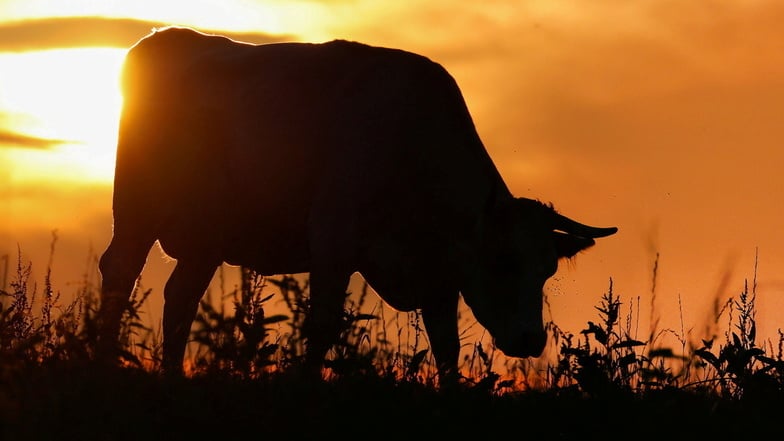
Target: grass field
<point>242,376</point>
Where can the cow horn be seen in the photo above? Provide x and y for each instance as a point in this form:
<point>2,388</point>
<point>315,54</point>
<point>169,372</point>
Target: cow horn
<point>571,226</point>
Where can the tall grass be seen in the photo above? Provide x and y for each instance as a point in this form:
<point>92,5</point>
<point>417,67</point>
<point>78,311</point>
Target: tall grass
<point>236,337</point>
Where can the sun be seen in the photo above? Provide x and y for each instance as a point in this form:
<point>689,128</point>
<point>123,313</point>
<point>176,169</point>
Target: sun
<point>69,95</point>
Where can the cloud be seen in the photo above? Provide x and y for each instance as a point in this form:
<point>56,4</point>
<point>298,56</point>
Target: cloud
<point>70,32</point>
<point>10,138</point>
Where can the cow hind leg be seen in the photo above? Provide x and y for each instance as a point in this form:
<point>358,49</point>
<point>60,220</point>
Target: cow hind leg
<point>120,266</point>
<point>183,291</point>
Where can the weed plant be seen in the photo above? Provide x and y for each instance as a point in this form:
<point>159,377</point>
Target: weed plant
<point>241,347</point>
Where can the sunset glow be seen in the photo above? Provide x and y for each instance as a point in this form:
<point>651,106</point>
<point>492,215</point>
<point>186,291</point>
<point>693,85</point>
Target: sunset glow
<point>663,118</point>
<point>306,20</point>
<point>70,97</point>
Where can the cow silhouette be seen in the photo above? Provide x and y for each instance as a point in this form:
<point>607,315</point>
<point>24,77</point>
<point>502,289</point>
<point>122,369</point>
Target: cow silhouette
<point>327,159</point>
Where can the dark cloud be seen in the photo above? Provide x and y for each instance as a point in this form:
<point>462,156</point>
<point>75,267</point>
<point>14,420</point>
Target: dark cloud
<point>69,32</point>
<point>15,139</point>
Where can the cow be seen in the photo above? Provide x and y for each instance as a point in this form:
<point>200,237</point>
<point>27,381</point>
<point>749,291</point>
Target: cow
<point>329,159</point>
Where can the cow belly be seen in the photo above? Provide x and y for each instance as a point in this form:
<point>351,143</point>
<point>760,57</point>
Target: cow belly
<point>406,288</point>
<point>267,248</point>
<point>408,273</point>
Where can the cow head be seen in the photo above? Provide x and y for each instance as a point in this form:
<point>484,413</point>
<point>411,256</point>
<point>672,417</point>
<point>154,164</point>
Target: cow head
<point>520,245</point>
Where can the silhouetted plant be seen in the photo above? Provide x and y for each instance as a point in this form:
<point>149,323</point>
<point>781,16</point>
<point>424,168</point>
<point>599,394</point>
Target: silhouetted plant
<point>135,335</point>
<point>487,378</point>
<point>18,336</point>
<point>741,367</point>
<point>244,342</point>
<point>363,346</point>
<point>31,337</point>
<point>768,380</point>
<point>237,343</point>
<point>295,296</point>
<point>605,361</point>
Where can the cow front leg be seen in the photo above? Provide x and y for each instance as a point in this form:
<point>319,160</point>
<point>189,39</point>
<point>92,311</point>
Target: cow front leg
<point>324,321</point>
<point>182,294</point>
<point>440,319</point>
<point>120,266</point>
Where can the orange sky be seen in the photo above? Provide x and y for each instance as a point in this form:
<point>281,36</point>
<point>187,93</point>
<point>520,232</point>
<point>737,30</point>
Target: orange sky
<point>663,118</point>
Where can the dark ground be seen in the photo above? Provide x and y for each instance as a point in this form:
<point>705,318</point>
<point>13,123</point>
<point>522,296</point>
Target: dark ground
<point>85,402</point>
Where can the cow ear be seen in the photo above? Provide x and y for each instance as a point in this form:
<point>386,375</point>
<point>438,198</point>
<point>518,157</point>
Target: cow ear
<point>567,245</point>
